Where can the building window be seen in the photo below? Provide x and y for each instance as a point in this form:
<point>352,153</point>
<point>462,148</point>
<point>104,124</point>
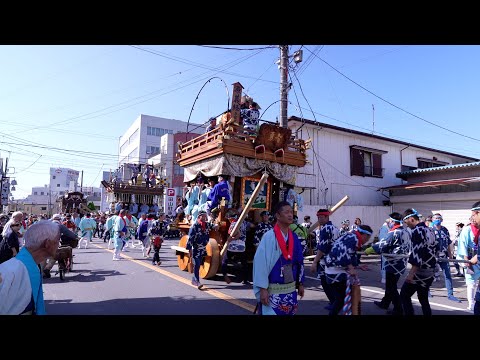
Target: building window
<point>53,177</point>
<point>425,164</point>
<point>366,162</point>
<point>133,137</point>
<point>43,208</point>
<point>58,185</point>
<point>133,154</point>
<point>157,131</point>
<point>124,146</point>
<point>35,193</point>
<point>153,150</point>
<point>41,193</point>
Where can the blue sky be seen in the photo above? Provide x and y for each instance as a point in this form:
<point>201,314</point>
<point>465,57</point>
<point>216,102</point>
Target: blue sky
<point>80,99</point>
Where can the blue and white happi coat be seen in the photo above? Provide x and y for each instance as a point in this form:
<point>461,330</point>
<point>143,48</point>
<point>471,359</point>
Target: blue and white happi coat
<point>325,237</point>
<point>425,249</point>
<point>158,228</point>
<point>443,237</point>
<point>238,244</point>
<point>342,254</point>
<point>267,269</point>
<point>261,229</point>
<point>395,243</point>
<point>198,239</point>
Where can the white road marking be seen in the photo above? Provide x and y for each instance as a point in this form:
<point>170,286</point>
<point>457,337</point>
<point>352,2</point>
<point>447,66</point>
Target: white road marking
<point>413,299</point>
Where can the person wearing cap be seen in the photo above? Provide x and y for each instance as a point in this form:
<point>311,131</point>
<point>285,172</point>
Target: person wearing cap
<point>423,260</point>
<point>278,268</point>
<point>341,264</point>
<point>468,250</point>
<point>397,243</point>
<point>442,235</point>
<point>212,124</point>
<point>325,237</point>
<point>262,227</point>
<point>198,238</point>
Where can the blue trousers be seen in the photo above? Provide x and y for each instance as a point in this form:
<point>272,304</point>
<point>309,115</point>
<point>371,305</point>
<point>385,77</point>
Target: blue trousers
<point>448,277</point>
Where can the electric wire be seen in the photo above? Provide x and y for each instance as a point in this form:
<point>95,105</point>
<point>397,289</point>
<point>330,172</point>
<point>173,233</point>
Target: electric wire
<point>233,48</point>
<point>395,106</point>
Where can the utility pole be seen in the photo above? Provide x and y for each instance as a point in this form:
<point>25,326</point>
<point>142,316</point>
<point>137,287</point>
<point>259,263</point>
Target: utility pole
<point>81,183</point>
<point>283,85</point>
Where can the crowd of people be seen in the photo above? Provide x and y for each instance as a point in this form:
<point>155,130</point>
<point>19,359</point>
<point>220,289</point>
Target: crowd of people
<point>411,246</point>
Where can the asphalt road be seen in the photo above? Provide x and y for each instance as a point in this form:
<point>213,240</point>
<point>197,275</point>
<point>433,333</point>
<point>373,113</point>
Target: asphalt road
<point>133,286</point>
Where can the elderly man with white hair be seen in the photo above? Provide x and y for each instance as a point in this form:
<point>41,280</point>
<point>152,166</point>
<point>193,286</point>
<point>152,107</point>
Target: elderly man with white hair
<point>21,290</point>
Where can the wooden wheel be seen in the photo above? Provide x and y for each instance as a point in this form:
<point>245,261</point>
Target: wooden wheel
<point>211,262</point>
<point>183,258</point>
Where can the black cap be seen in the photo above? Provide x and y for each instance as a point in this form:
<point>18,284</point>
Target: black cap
<point>264,213</point>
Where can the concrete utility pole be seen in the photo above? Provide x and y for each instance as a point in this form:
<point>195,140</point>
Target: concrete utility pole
<point>283,85</point>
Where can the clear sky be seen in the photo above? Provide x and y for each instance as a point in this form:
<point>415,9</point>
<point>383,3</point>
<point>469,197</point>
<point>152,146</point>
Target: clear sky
<point>80,99</point>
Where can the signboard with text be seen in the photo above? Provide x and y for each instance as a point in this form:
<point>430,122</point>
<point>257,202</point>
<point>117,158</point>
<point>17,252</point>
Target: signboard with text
<point>170,202</point>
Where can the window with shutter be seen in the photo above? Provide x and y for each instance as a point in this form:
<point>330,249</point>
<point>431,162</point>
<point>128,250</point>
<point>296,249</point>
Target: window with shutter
<point>377,165</point>
<point>356,162</point>
<point>365,161</point>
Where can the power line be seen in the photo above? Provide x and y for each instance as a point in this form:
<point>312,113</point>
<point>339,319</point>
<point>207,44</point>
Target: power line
<point>28,167</point>
<point>301,114</point>
<point>185,61</point>
<point>391,104</point>
<point>69,120</point>
<point>233,48</point>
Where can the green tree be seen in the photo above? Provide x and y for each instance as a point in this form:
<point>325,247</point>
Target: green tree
<point>91,206</point>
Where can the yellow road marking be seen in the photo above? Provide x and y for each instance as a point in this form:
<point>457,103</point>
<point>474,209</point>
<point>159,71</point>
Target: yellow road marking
<point>205,288</point>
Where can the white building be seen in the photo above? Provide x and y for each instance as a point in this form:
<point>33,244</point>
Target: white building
<point>142,139</point>
<point>38,201</point>
<point>63,180</point>
<point>349,162</point>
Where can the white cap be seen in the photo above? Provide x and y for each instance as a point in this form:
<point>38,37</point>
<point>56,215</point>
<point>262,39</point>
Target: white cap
<point>56,217</point>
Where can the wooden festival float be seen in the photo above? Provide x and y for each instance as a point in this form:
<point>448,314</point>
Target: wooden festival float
<point>260,168</point>
<point>126,192</point>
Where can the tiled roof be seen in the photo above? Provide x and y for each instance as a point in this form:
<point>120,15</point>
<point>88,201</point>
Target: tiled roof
<point>435,183</point>
<point>439,168</point>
